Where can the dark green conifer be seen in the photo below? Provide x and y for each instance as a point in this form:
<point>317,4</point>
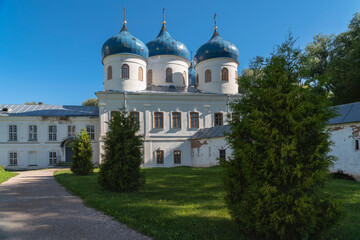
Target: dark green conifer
<point>82,154</point>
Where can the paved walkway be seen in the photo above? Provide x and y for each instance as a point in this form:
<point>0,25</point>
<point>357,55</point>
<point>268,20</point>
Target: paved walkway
<point>34,206</point>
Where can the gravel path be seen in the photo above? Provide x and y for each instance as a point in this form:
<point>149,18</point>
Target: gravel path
<point>34,206</point>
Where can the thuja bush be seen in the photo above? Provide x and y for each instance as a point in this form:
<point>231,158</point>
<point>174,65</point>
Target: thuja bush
<point>280,162</point>
<point>120,170</point>
<point>82,154</point>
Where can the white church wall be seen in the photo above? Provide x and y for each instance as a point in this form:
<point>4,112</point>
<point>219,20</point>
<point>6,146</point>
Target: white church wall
<point>206,152</point>
<point>344,137</point>
<point>119,83</point>
<point>217,85</point>
<point>158,64</point>
<point>35,154</point>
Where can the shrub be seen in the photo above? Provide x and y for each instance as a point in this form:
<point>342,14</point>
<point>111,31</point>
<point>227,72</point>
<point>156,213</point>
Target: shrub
<point>82,158</point>
<point>120,170</point>
<point>2,169</point>
<point>341,175</point>
<point>280,159</point>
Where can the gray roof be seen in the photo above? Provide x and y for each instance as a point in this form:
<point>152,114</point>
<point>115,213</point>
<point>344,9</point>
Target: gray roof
<point>211,132</point>
<point>347,113</point>
<point>48,110</point>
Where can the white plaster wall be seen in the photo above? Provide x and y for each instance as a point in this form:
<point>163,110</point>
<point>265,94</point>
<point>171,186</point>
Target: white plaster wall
<point>158,64</point>
<point>205,152</point>
<point>120,84</point>
<point>343,137</point>
<point>42,146</point>
<point>216,85</point>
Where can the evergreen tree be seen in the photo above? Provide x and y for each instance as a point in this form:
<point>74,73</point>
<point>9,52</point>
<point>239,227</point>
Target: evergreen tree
<point>280,160</point>
<point>82,154</point>
<point>120,170</point>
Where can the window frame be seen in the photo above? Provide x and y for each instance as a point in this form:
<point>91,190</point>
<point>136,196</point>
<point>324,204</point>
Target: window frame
<point>141,74</point>
<point>169,75</point>
<point>52,160</point>
<point>135,115</point>
<point>159,156</point>
<point>52,133</point>
<point>125,71</point>
<point>224,74</point>
<point>357,144</point>
<point>71,130</point>
<point>160,117</point>
<point>197,119</point>
<point>222,154</point>
<point>149,77</point>
<point>13,158</point>
<point>176,119</point>
<point>13,133</point>
<point>109,74</point>
<point>92,132</point>
<point>32,133</point>
<point>177,157</point>
<point>217,119</point>
<point>208,75</point>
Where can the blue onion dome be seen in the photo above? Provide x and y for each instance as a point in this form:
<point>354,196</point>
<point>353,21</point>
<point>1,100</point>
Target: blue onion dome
<point>216,47</point>
<point>124,42</point>
<point>192,74</point>
<point>164,44</point>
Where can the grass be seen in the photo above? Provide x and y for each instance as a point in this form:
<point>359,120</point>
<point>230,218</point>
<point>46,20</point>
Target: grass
<point>188,203</point>
<point>5,175</point>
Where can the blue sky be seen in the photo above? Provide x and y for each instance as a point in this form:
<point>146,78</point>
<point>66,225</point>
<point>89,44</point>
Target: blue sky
<point>50,49</point>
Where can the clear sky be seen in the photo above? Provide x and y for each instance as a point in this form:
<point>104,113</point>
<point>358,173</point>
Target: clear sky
<point>50,49</point>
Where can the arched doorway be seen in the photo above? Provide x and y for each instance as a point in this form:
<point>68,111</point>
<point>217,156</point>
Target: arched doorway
<point>68,151</point>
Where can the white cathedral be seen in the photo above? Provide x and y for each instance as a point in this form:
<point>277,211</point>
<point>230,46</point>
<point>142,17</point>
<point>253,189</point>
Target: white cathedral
<point>183,110</point>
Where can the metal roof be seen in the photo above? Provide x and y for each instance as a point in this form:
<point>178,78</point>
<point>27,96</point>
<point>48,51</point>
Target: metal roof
<point>16,110</point>
<point>347,113</point>
<point>212,132</point>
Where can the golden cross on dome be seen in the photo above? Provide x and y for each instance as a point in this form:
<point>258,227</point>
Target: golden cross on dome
<point>163,16</point>
<point>215,27</point>
<point>124,22</point>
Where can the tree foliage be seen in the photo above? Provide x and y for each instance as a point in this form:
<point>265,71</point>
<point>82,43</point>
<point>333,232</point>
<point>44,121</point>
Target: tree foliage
<point>335,61</point>
<point>120,170</point>
<point>31,103</point>
<point>280,159</point>
<point>82,154</point>
<point>91,102</point>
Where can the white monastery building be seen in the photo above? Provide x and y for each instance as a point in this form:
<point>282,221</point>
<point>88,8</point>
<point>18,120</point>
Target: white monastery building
<point>182,110</point>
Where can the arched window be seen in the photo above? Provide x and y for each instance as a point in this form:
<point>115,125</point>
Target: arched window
<point>109,72</point>
<point>236,77</point>
<point>149,76</point>
<point>184,78</point>
<point>208,76</point>
<point>141,74</point>
<point>125,71</point>
<point>225,74</point>
<point>169,76</point>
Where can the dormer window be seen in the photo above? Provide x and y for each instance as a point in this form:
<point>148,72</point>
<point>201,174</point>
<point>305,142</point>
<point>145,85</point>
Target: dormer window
<point>125,71</point>
<point>169,75</point>
<point>225,75</point>
<point>109,73</point>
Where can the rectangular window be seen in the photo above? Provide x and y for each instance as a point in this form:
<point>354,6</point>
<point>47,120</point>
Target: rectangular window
<point>13,158</point>
<point>218,119</point>
<point>91,130</point>
<point>52,132</point>
<point>194,120</point>
<point>222,154</point>
<point>32,133</point>
<point>159,157</point>
<point>113,113</point>
<point>357,147</point>
<point>52,158</point>
<point>176,120</point>
<point>12,133</point>
<point>159,120</point>
<point>71,131</point>
<point>177,157</point>
<point>135,118</point>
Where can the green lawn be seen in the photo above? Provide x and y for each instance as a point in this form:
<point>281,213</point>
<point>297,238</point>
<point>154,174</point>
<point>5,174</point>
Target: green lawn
<point>187,203</point>
<point>5,175</point>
